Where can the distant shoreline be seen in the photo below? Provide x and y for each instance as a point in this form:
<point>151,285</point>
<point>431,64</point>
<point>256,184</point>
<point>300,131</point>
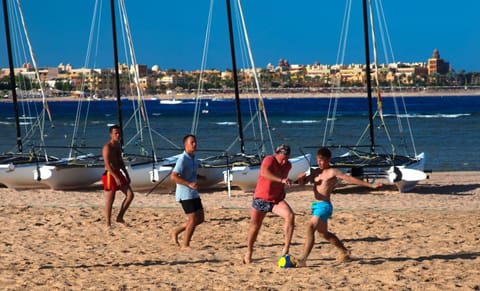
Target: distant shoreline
<point>269,95</point>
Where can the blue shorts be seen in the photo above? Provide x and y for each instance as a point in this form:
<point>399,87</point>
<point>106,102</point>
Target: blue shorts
<point>322,209</point>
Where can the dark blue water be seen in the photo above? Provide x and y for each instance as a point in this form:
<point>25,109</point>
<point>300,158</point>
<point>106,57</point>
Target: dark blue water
<point>445,128</point>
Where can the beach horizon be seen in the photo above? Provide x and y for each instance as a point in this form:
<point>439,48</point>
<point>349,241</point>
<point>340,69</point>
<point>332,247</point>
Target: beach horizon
<point>424,240</point>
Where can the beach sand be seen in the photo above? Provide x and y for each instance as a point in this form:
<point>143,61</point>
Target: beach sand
<point>425,240</point>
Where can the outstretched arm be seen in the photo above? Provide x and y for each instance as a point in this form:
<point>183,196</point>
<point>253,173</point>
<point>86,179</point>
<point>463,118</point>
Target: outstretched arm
<point>352,180</point>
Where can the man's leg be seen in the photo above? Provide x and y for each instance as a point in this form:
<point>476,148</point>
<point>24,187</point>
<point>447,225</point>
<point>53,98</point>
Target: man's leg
<point>283,210</point>
<point>176,231</point>
<point>309,240</point>
<point>193,219</point>
<point>256,219</point>
<point>109,198</point>
<point>322,228</point>
<point>126,203</point>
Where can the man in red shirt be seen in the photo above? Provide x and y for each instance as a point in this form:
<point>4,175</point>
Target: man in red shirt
<point>269,196</point>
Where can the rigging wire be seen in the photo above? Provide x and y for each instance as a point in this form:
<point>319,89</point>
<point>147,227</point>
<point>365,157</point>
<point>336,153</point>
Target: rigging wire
<point>200,89</point>
<point>336,89</point>
<point>34,61</point>
<point>340,61</point>
<point>387,44</point>
<point>261,108</point>
<point>21,36</point>
<point>97,14</point>
<point>377,82</point>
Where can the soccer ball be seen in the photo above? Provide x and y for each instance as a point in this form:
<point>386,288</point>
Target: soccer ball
<point>287,261</point>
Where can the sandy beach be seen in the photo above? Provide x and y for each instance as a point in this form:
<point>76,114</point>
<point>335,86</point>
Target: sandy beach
<point>425,240</point>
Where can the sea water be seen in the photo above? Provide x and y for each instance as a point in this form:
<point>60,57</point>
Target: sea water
<point>446,129</point>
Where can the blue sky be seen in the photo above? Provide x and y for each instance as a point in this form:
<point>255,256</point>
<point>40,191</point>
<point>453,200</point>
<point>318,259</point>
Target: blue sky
<point>171,33</point>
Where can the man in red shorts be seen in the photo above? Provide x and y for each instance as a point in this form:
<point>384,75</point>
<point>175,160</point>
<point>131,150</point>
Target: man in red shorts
<point>269,196</point>
<point>116,176</point>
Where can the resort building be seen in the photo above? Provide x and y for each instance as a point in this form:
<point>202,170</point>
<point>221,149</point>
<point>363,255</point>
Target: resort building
<point>436,65</point>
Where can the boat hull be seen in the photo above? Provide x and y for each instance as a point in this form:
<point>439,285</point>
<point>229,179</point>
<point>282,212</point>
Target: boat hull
<point>412,168</point>
<point>409,175</point>
<point>69,177</point>
<point>144,177</point>
<point>213,168</point>
<point>213,176</point>
<point>20,176</point>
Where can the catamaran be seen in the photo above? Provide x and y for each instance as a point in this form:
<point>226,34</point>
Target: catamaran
<point>17,168</point>
<point>145,169</point>
<point>242,169</point>
<point>373,159</point>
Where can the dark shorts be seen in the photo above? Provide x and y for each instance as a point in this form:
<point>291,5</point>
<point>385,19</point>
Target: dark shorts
<point>262,205</point>
<point>191,205</point>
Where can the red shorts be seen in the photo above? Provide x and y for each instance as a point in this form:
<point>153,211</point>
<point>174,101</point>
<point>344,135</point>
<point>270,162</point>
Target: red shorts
<point>109,181</point>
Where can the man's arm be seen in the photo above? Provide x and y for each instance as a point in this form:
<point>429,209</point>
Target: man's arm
<point>177,179</point>
<point>339,174</point>
<point>266,173</point>
<point>303,178</point>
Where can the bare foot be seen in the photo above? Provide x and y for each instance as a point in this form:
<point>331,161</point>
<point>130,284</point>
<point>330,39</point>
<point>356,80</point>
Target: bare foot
<point>174,237</point>
<point>185,248</point>
<point>248,258</point>
<point>109,230</point>
<point>284,252</point>
<point>344,256</point>
<point>301,262</point>
<point>123,223</point>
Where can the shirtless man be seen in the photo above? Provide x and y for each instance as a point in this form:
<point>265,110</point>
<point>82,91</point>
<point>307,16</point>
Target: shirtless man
<point>324,180</point>
<point>116,176</point>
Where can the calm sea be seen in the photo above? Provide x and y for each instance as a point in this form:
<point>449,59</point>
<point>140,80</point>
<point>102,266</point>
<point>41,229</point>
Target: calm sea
<point>447,129</point>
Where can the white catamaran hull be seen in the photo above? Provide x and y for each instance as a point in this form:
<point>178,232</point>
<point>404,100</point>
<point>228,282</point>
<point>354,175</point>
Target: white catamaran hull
<point>407,177</point>
<point>145,177</point>
<point>246,177</point>
<point>69,178</point>
<point>213,176</point>
<point>20,176</point>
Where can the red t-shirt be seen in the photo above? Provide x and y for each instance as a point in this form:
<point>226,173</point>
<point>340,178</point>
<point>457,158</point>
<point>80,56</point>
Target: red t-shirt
<point>268,190</point>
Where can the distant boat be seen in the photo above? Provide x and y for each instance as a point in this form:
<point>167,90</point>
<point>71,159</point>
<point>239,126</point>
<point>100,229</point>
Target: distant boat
<point>205,110</point>
<point>172,101</point>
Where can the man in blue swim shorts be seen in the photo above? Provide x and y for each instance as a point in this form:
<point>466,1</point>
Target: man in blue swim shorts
<point>322,209</point>
<point>324,180</point>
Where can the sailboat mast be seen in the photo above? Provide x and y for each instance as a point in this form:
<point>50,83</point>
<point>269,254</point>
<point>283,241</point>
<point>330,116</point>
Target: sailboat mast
<point>367,76</point>
<point>117,74</point>
<point>12,76</point>
<point>235,78</point>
